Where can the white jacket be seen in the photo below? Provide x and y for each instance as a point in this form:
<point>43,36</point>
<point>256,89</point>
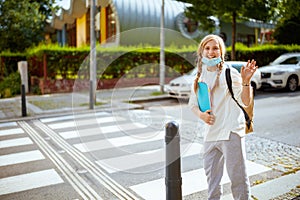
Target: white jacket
<point>228,116</point>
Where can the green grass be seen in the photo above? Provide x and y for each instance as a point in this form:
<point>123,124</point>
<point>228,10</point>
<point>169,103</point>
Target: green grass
<point>52,105</point>
<point>157,93</point>
<point>96,104</point>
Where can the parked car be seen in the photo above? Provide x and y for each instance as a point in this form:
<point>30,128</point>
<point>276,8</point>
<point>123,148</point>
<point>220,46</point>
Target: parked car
<point>283,72</point>
<point>180,87</point>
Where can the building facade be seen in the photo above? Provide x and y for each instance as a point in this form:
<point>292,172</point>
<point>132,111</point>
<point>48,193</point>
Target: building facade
<point>127,22</point>
<point>133,22</point>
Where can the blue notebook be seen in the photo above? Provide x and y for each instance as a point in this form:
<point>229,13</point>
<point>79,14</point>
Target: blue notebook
<point>203,97</point>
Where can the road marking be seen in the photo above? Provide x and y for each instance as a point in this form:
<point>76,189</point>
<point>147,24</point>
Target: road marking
<point>15,142</point>
<point>76,181</point>
<point>29,181</point>
<point>80,133</point>
<point>121,127</point>
<point>83,122</point>
<point>134,160</point>
<point>21,157</point>
<point>72,117</point>
<point>118,190</point>
<point>12,131</point>
<point>192,182</point>
<point>54,119</point>
<point>66,124</point>
<point>119,141</point>
<point>100,130</point>
<point>7,124</point>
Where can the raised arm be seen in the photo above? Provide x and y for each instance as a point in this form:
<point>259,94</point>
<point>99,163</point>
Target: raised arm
<point>246,74</point>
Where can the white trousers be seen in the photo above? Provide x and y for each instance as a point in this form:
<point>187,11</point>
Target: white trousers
<point>233,153</point>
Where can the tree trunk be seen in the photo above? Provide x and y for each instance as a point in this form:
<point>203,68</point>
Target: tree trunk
<point>233,35</point>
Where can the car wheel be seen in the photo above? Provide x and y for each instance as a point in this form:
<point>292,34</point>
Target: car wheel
<point>292,84</point>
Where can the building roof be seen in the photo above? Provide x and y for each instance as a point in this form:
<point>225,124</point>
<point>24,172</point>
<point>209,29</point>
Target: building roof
<point>146,13</point>
<point>67,16</point>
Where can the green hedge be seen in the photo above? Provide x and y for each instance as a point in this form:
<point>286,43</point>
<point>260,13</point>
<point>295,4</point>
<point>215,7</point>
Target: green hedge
<point>140,61</point>
<point>10,85</point>
<point>73,63</point>
<point>115,62</point>
<point>262,54</point>
<point>9,63</point>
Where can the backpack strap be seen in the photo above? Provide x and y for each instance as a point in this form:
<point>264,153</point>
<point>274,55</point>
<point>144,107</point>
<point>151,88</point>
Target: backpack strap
<point>229,84</point>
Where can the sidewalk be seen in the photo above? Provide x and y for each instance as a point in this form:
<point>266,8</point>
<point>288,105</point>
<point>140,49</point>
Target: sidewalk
<point>277,188</point>
<point>58,104</point>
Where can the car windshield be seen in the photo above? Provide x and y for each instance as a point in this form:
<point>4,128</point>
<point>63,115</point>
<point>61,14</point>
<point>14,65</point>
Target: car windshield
<point>285,60</point>
<point>237,66</point>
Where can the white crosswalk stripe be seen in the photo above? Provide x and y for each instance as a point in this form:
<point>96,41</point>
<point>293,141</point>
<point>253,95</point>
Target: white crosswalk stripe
<point>27,181</point>
<point>132,147</point>
<point>13,131</point>
<point>193,180</point>
<point>136,160</point>
<point>99,130</point>
<point>83,122</point>
<point>22,157</point>
<point>7,124</point>
<point>117,142</point>
<point>15,142</point>
<point>72,117</point>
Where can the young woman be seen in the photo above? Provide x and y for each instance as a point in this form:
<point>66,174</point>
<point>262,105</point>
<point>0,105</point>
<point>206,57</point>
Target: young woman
<point>225,122</point>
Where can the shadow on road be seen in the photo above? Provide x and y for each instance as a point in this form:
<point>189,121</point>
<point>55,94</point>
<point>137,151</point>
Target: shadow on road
<point>267,93</point>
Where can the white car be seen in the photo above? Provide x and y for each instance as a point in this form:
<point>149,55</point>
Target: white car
<point>283,72</point>
<point>180,87</point>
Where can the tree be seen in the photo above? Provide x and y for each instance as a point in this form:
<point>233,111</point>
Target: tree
<point>288,29</point>
<point>288,32</point>
<point>22,23</point>
<point>230,10</point>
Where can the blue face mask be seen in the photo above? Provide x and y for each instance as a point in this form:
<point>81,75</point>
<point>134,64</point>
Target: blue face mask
<point>211,62</point>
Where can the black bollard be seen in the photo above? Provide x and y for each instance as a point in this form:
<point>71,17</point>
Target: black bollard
<point>173,178</point>
<point>23,93</point>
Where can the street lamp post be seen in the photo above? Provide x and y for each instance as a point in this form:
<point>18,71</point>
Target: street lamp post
<point>162,48</point>
<point>92,55</point>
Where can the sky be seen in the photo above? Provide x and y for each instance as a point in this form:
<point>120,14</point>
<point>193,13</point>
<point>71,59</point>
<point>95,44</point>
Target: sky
<point>63,3</point>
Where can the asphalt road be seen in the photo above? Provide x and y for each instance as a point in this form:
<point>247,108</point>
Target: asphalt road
<point>277,116</point>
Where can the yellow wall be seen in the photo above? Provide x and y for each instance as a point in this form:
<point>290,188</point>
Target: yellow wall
<point>81,31</point>
<point>103,25</point>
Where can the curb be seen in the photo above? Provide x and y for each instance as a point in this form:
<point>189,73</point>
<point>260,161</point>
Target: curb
<point>40,113</point>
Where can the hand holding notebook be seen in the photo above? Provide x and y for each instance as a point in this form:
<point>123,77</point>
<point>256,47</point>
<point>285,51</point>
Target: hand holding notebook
<point>203,97</point>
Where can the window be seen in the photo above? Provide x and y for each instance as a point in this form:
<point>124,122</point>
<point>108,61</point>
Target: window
<point>190,25</point>
<point>290,61</point>
<point>71,34</point>
<point>111,25</point>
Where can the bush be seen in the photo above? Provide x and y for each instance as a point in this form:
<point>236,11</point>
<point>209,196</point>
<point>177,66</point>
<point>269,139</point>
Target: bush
<point>9,63</point>
<point>73,63</point>
<point>10,86</point>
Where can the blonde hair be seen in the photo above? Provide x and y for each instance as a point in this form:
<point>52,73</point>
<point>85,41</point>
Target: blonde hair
<point>201,46</point>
